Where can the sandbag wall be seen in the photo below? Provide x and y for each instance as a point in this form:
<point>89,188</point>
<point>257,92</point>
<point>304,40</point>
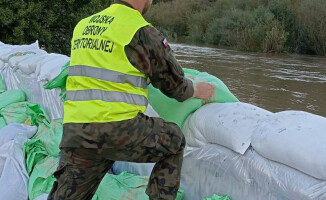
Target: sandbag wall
<point>232,147</point>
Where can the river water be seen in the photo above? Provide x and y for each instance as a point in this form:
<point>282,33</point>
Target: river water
<point>275,82</point>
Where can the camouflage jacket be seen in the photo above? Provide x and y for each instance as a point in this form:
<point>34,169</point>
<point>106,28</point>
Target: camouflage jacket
<point>149,55</point>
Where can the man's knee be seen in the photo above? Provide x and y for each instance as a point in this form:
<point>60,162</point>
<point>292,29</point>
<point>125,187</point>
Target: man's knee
<point>171,138</point>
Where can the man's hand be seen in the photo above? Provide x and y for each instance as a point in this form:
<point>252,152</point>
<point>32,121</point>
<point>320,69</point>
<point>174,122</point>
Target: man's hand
<point>204,91</point>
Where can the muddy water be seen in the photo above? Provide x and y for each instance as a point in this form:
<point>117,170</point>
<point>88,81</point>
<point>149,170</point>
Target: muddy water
<point>275,82</point>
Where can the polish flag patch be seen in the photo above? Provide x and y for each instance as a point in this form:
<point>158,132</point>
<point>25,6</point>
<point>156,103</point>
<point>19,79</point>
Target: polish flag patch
<point>165,42</point>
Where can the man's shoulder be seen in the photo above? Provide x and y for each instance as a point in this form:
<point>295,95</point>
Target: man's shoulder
<point>151,36</point>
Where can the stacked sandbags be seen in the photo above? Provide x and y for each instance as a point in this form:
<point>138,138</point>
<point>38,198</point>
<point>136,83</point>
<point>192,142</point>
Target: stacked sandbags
<point>33,61</point>
<point>228,124</point>
<point>296,139</point>
<point>9,51</point>
<point>27,67</point>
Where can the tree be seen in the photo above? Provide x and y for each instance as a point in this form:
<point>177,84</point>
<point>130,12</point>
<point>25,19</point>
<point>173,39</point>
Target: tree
<point>50,22</point>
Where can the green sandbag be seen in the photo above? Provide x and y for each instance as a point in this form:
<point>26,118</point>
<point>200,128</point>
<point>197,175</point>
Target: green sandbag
<point>216,197</point>
<point>50,136</point>
<point>173,111</point>
<point>42,179</point>
<point>34,152</point>
<point>45,142</point>
<point>169,109</point>
<point>124,186</point>
<point>2,85</point>
<point>11,96</point>
<point>24,113</point>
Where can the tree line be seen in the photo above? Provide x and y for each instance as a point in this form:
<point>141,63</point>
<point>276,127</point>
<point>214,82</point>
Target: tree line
<point>251,25</point>
<point>297,26</point>
<point>50,22</point>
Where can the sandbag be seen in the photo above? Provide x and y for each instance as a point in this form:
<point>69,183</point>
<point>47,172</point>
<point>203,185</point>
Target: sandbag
<point>60,80</point>
<point>124,186</point>
<point>13,175</point>
<point>34,152</point>
<point>52,68</point>
<point>44,143</point>
<point>296,139</point>
<point>42,197</point>
<point>24,113</point>
<point>29,64</point>
<point>50,136</point>
<point>8,51</point>
<point>141,169</point>
<point>228,124</point>
<point>21,57</point>
<point>11,96</point>
<point>2,84</point>
<point>42,179</point>
<point>9,132</point>
<point>173,111</point>
<point>2,64</point>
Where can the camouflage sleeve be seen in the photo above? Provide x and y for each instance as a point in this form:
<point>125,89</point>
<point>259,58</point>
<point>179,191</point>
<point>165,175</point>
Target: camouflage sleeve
<point>149,55</point>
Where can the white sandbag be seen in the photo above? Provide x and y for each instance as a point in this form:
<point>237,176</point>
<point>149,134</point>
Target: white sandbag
<point>141,169</point>
<point>296,139</point>
<point>51,66</point>
<point>9,132</point>
<point>7,51</point>
<point>13,175</point>
<point>2,64</point>
<point>213,169</point>
<point>42,197</point>
<point>151,112</point>
<point>29,65</point>
<point>227,124</point>
<point>21,58</point>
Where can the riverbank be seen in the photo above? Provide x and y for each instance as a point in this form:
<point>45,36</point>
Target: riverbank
<point>295,26</point>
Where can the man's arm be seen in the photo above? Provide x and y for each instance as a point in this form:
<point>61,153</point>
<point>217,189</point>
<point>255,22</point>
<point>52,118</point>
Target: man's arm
<point>149,53</point>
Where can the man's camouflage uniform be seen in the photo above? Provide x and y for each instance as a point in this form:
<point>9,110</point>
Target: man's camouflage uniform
<point>89,150</point>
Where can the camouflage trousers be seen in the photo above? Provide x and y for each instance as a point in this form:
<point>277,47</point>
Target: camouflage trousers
<point>142,139</point>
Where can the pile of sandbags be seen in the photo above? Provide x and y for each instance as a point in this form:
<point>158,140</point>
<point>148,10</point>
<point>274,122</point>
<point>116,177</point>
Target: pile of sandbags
<point>296,139</point>
<point>293,138</point>
<point>28,68</point>
<point>32,61</point>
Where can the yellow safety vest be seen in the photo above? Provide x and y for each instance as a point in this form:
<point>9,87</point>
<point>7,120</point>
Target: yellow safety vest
<point>103,86</point>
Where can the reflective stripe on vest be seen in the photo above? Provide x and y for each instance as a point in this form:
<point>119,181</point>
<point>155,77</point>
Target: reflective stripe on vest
<point>108,96</point>
<point>102,85</point>
<point>107,75</point>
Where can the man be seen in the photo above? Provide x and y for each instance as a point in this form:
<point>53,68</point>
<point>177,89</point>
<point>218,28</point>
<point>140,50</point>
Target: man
<point>113,54</point>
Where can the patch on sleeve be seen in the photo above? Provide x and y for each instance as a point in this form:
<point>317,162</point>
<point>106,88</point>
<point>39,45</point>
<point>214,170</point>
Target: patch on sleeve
<point>165,42</point>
